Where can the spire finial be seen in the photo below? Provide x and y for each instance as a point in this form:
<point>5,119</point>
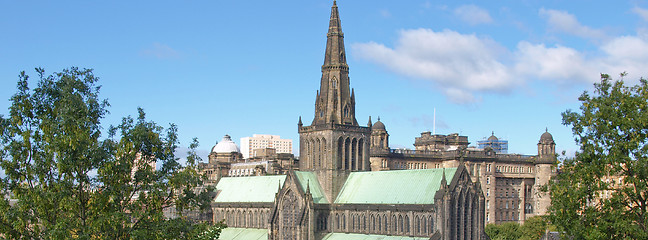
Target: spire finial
<point>546,129</point>
<point>378,118</point>
<point>334,3</point>
<point>492,133</point>
<point>443,178</point>
<point>307,185</point>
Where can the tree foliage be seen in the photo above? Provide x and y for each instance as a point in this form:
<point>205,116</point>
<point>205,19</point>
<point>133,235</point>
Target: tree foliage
<point>532,229</point>
<point>602,192</point>
<point>64,181</point>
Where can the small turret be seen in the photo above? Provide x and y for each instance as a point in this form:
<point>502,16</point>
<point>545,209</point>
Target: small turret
<point>379,136</point>
<point>546,148</point>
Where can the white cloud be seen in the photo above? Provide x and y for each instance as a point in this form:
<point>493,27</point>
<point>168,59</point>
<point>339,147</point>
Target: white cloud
<point>643,13</point>
<point>557,63</point>
<point>626,53</point>
<point>461,96</point>
<point>450,59</point>
<point>562,21</point>
<point>473,15</point>
<point>464,66</point>
<point>160,51</point>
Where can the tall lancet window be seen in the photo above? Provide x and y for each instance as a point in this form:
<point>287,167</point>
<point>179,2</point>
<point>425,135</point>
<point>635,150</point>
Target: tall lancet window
<point>334,82</point>
<point>288,216</point>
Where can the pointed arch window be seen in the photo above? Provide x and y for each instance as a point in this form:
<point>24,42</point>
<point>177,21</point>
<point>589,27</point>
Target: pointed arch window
<point>346,111</point>
<point>288,216</point>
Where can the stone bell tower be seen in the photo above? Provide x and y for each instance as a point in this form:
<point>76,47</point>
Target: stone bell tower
<point>334,144</point>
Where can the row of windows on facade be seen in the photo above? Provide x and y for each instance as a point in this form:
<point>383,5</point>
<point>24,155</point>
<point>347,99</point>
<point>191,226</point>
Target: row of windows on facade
<point>243,218</point>
<point>514,194</point>
<point>271,143</point>
<point>378,223</point>
<point>241,172</point>
<point>503,216</point>
<point>514,169</point>
<point>509,169</point>
<point>504,169</point>
<point>505,181</point>
<point>406,165</point>
<point>528,207</point>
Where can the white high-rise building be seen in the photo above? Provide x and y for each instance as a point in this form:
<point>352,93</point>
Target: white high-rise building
<point>261,141</point>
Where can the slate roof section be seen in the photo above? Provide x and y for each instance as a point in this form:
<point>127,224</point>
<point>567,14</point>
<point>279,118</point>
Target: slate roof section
<point>307,179</point>
<point>248,189</point>
<point>355,236</point>
<point>394,187</point>
<point>244,234</point>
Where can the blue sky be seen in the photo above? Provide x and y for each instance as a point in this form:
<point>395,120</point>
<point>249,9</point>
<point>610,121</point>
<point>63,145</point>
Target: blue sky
<point>246,67</point>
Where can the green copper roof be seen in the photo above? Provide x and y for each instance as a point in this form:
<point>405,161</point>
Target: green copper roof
<point>394,187</point>
<point>248,189</point>
<point>355,236</point>
<point>310,179</point>
<point>244,234</point>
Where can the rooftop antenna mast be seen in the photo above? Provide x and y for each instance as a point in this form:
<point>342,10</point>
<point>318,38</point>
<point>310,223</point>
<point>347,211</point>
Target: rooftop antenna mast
<point>434,123</point>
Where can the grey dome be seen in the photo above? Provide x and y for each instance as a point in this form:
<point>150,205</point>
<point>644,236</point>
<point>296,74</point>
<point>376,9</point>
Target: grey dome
<point>492,137</point>
<point>546,137</point>
<point>378,126</point>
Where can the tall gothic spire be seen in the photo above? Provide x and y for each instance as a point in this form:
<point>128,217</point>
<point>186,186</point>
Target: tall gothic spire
<point>335,103</point>
<point>335,55</point>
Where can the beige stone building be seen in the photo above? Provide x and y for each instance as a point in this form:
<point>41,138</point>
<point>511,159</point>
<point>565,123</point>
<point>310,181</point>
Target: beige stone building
<point>226,160</point>
<point>511,182</point>
<point>263,141</point>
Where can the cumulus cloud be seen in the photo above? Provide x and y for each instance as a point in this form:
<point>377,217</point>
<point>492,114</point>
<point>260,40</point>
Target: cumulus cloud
<point>473,15</point>
<point>454,61</point>
<point>160,51</point>
<point>556,63</point>
<point>565,22</point>
<point>643,13</point>
<point>464,66</point>
<point>626,53</point>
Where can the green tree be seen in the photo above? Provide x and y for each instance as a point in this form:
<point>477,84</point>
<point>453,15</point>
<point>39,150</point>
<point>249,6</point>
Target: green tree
<point>602,192</point>
<point>503,231</point>
<point>532,229</point>
<point>64,181</point>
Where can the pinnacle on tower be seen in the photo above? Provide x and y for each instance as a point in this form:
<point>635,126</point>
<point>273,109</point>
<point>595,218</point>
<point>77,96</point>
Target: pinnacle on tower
<point>335,102</point>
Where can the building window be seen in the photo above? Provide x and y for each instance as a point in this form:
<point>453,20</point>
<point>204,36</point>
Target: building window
<point>487,192</point>
<point>487,204</point>
<point>487,180</point>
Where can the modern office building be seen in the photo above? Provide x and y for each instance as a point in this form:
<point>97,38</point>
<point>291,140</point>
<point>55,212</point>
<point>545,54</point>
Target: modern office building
<point>262,141</point>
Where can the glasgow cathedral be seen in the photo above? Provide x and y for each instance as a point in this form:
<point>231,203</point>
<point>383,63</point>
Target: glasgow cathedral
<point>348,183</point>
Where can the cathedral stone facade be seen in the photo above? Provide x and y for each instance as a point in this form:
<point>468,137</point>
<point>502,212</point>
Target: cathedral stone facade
<point>511,182</point>
<point>337,192</point>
